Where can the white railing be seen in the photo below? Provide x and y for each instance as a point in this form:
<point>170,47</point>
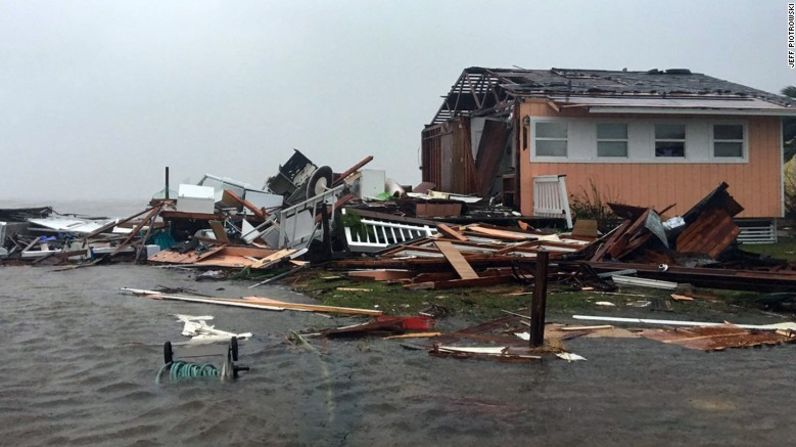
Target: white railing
<point>763,231</point>
<point>550,197</point>
<point>374,235</point>
<point>286,221</point>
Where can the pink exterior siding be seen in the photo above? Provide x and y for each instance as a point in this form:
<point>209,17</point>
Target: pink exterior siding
<point>756,185</point>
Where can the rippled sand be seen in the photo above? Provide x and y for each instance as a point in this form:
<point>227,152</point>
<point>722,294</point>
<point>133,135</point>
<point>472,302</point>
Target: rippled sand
<point>79,362</point>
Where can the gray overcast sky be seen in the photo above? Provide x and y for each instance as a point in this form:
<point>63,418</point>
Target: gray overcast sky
<point>96,97</point>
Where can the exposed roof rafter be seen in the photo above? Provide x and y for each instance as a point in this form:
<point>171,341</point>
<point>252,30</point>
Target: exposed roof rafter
<point>480,88</point>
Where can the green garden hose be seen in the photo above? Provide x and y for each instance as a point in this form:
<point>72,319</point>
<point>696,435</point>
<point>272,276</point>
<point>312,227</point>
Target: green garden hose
<point>179,370</point>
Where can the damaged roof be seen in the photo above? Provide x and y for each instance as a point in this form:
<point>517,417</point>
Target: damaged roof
<point>485,89</point>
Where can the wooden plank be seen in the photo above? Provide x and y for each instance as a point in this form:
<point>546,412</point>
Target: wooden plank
<point>149,218</point>
<point>219,232</point>
<point>483,281</point>
<point>274,257</point>
<point>209,253</point>
<point>413,335</point>
<point>340,178</point>
<point>610,239</point>
<point>253,302</point>
<point>142,245</point>
<point>522,246</point>
<point>585,228</point>
<point>450,232</point>
<point>256,252</point>
<point>185,215</point>
<point>110,225</point>
<point>456,260</point>
<point>311,307</point>
<point>230,196</point>
<point>430,264</point>
<point>500,234</point>
<point>381,275</point>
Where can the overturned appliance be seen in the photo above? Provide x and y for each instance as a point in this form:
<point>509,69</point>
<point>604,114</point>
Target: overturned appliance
<point>299,179</point>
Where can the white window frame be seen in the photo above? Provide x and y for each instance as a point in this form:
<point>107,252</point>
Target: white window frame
<point>744,158</point>
<point>534,155</point>
<point>684,140</point>
<point>597,140</point>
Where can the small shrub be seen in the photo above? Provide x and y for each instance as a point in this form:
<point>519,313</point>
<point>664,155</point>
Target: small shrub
<point>790,188</point>
<point>592,204</point>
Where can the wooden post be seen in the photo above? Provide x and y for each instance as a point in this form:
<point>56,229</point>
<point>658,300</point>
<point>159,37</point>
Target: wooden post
<point>166,191</point>
<point>327,235</point>
<point>539,300</point>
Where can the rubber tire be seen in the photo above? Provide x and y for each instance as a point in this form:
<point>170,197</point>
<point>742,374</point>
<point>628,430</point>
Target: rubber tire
<point>233,346</point>
<point>320,179</point>
<point>168,353</point>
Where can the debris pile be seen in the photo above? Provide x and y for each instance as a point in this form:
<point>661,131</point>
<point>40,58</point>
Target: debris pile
<point>697,238</point>
<point>462,256</point>
<point>372,227</point>
<point>364,225</point>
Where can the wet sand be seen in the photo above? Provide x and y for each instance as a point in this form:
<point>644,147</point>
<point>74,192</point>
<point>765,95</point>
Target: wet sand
<point>79,362</point>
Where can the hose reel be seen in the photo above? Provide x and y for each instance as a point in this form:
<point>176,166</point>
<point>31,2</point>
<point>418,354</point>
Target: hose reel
<point>184,368</point>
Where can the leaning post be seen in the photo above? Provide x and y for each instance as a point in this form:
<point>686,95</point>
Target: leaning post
<point>166,189</point>
<point>539,300</point>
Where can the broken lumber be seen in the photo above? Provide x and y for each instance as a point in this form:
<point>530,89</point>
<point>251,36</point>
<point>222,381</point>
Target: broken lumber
<point>230,196</point>
<point>450,232</point>
<point>218,231</point>
<point>763,327</point>
<point>312,307</point>
<point>381,275</point>
<point>456,260</point>
<point>482,281</point>
<point>500,234</point>
<point>252,302</point>
<point>413,335</point>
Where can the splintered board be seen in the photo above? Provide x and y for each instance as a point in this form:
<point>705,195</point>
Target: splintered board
<point>456,260</point>
<point>450,232</point>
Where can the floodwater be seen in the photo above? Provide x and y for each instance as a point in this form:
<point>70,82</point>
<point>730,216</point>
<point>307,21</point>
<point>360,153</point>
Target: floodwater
<point>79,362</point>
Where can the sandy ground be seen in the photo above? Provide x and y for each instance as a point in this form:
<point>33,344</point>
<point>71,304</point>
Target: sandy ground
<point>79,363</point>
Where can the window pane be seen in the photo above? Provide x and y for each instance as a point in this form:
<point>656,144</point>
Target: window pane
<point>669,149</point>
<point>612,131</point>
<point>670,131</point>
<point>728,149</point>
<point>612,149</point>
<point>551,130</point>
<point>728,132</point>
<point>551,148</point>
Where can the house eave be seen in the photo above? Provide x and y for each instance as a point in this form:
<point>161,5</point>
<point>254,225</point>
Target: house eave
<point>691,111</point>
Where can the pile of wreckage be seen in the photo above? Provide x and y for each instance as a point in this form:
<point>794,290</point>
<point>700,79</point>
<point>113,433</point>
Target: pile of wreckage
<point>698,248</point>
<point>227,224</point>
<point>370,226</point>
